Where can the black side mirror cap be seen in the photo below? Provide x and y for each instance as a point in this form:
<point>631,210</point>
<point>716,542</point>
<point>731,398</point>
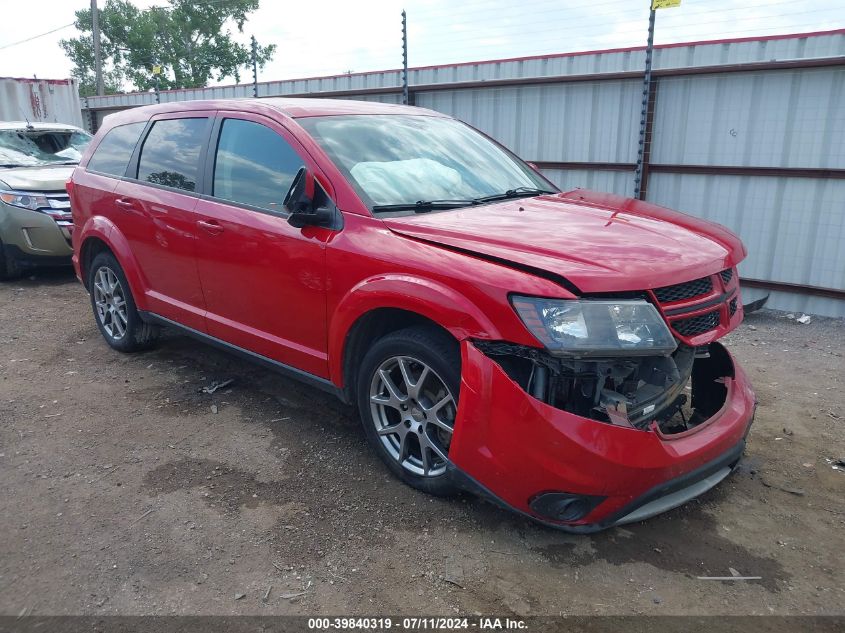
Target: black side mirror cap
<point>304,207</point>
<point>326,217</point>
<point>300,196</point>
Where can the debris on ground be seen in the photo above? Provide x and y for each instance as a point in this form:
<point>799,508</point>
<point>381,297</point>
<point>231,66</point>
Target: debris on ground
<point>748,308</point>
<point>793,491</point>
<point>214,386</point>
<point>214,408</point>
<point>804,319</point>
<point>267,593</point>
<point>836,464</point>
<point>240,596</point>
<point>288,596</point>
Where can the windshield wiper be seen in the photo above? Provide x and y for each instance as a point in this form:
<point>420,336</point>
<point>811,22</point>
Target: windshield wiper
<point>423,206</point>
<point>518,192</point>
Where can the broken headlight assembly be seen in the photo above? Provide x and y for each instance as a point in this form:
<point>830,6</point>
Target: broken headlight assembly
<point>613,361</point>
<point>593,328</point>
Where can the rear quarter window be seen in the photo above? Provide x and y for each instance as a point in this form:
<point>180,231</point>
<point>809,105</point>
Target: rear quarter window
<point>114,151</point>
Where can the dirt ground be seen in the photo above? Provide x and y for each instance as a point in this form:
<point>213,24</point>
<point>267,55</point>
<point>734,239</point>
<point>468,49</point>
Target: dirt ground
<point>124,493</point>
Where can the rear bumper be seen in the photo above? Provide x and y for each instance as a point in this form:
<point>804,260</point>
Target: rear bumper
<point>512,448</point>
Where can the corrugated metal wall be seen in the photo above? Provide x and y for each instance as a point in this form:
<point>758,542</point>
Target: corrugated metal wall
<point>50,100</point>
<point>724,114</point>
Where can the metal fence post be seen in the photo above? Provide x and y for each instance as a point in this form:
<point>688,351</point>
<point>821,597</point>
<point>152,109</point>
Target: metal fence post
<point>645,114</point>
<point>404,58</point>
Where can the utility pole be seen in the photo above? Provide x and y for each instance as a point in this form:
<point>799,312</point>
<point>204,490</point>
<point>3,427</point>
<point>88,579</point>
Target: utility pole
<point>98,60</point>
<point>254,67</point>
<point>404,58</point>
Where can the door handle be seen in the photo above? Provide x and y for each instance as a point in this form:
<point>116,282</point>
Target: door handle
<point>125,203</point>
<point>212,227</point>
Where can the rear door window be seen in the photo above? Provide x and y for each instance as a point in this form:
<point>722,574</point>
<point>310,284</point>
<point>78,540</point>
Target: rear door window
<point>114,151</point>
<point>254,165</point>
<point>170,154</point>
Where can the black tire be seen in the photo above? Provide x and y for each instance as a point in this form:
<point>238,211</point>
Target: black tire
<point>136,334</point>
<point>9,268</point>
<point>419,346</point>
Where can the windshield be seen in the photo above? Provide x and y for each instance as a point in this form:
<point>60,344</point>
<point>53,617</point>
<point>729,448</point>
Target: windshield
<point>402,160</point>
<point>28,148</point>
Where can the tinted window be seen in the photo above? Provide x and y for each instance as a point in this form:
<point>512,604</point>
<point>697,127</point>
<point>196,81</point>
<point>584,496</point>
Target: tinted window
<point>114,151</point>
<point>254,165</point>
<point>171,151</point>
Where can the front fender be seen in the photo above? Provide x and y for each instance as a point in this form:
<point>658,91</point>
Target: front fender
<point>431,299</point>
<point>99,227</point>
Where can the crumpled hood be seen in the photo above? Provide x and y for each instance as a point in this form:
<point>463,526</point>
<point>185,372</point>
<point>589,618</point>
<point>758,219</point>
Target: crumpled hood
<point>36,178</point>
<point>598,242</point>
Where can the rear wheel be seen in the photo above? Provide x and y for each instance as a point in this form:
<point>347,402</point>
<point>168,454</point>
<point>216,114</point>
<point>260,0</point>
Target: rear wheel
<point>114,307</point>
<point>408,400</point>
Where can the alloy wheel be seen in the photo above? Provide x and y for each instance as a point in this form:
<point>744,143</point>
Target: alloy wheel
<point>110,302</point>
<point>414,414</point>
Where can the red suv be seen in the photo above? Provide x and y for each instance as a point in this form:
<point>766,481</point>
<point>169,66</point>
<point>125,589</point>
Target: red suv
<point>555,352</point>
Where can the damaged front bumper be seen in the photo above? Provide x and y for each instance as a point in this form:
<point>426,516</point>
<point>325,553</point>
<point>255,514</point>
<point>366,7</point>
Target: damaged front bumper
<point>583,474</point>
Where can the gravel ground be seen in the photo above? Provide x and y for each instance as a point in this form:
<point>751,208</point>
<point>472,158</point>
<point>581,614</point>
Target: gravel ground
<point>125,493</point>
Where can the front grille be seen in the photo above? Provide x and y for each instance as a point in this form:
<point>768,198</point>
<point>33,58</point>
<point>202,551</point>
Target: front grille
<point>697,324</point>
<point>727,275</point>
<point>59,208</point>
<point>686,290</point>
<point>732,306</point>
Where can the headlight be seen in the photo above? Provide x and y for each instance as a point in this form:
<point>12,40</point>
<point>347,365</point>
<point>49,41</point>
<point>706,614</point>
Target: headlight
<point>25,200</point>
<point>596,327</point>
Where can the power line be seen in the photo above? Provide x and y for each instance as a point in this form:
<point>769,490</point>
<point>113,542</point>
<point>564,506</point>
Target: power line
<point>35,37</point>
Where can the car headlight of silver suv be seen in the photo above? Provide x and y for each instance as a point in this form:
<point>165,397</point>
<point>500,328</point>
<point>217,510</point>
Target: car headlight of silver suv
<point>24,199</point>
<point>596,327</point>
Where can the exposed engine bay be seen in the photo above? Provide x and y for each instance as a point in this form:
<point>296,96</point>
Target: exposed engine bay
<point>676,393</point>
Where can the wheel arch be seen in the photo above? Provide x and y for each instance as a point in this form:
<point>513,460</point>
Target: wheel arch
<point>98,236</point>
<point>380,306</point>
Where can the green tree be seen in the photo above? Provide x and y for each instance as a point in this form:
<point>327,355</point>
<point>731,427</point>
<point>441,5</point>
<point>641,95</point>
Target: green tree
<point>190,40</point>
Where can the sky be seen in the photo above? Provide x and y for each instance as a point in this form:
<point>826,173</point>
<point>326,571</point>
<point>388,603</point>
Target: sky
<point>335,36</point>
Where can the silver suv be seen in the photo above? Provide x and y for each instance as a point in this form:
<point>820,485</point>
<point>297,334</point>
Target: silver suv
<point>36,159</point>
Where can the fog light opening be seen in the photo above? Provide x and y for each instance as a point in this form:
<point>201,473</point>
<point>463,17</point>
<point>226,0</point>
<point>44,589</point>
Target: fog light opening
<point>564,506</point>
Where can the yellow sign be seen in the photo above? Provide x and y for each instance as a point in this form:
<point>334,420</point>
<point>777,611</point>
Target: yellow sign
<point>157,68</point>
<point>664,4</point>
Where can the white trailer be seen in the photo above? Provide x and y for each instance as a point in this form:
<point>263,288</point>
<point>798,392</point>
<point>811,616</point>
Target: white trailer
<point>45,100</point>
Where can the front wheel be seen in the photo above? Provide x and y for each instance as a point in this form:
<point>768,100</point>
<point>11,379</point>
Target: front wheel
<point>114,307</point>
<point>9,268</point>
<point>408,401</point>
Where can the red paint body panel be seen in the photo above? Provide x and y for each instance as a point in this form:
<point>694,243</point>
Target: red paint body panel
<point>518,446</point>
<point>597,249</point>
<point>293,295</point>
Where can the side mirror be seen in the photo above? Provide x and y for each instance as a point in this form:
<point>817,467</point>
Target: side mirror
<point>300,203</point>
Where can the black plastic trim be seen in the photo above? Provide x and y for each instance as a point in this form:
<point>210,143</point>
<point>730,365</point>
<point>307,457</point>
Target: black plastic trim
<point>286,370</point>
